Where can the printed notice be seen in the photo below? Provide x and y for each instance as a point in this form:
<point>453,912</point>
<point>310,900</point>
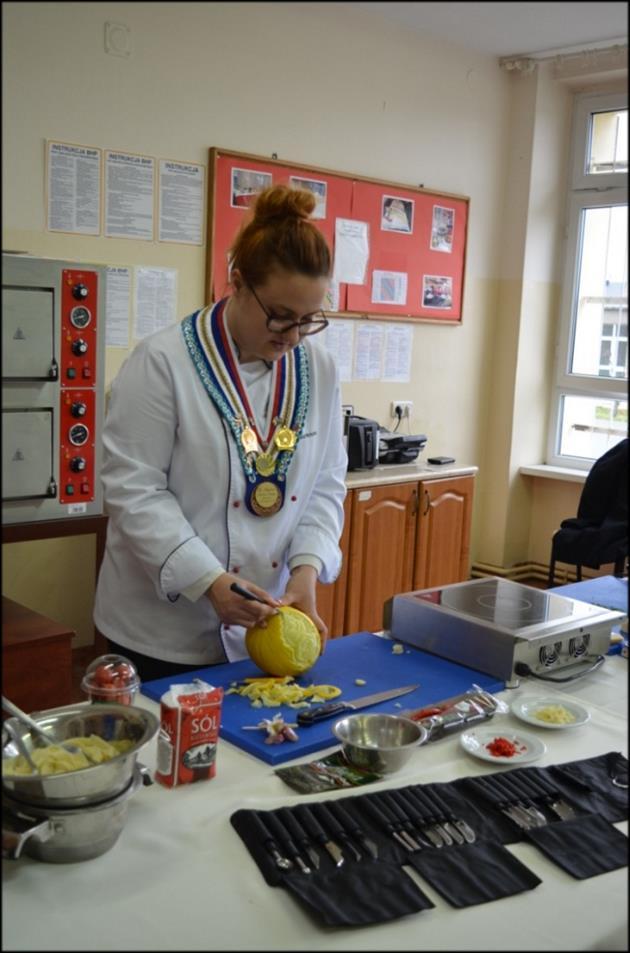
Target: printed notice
<point>129,181</point>
<point>397,353</point>
<point>339,341</point>
<point>73,176</point>
<point>368,357</point>
<point>117,312</point>
<point>331,298</point>
<point>156,300</point>
<point>352,251</point>
<point>181,202</point>
<point>389,287</point>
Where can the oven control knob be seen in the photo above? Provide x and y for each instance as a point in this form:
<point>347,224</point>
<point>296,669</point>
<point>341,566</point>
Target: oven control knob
<point>80,292</point>
<point>78,409</point>
<point>77,464</point>
<point>79,346</point>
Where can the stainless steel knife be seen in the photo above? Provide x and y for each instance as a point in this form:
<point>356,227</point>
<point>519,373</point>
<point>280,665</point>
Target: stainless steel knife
<point>314,715</point>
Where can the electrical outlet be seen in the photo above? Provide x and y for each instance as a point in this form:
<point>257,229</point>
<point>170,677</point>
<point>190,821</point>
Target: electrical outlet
<point>401,408</point>
<point>347,410</point>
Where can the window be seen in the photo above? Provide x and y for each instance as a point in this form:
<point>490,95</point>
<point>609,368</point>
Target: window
<point>590,402</point>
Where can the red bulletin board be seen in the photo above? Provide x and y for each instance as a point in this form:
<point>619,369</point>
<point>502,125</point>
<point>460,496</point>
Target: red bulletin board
<point>429,272</point>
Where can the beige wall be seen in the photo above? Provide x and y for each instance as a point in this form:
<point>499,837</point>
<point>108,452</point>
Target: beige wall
<point>321,85</point>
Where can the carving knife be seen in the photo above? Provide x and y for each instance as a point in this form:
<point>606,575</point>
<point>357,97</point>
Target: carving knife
<point>298,834</point>
<point>339,707</point>
<point>318,834</point>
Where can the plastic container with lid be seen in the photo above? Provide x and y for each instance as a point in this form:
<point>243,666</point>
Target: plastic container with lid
<point>111,678</point>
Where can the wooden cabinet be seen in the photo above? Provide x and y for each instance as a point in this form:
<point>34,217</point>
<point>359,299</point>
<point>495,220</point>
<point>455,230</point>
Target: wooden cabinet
<point>442,547</point>
<point>331,598</point>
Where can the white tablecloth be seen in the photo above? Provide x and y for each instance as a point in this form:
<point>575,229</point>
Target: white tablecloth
<point>180,878</point>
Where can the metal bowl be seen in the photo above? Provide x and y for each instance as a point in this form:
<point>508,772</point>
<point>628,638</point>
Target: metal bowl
<point>92,785</point>
<point>379,743</point>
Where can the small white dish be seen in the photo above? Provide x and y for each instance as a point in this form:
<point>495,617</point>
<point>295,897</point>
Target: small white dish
<point>526,708</point>
<point>476,742</point>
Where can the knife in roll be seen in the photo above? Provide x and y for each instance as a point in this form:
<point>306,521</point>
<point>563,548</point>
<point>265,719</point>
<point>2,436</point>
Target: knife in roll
<point>315,715</point>
<point>283,837</point>
<point>522,799</point>
<point>490,793</point>
<point>335,828</point>
<point>413,813</point>
<point>458,828</point>
<point>550,796</point>
<point>401,816</point>
<point>353,828</point>
<point>432,826</point>
<point>269,843</point>
<point>298,834</point>
<point>318,834</point>
<point>385,821</point>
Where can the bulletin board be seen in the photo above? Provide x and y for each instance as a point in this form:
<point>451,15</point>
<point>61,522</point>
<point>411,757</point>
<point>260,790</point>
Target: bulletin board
<point>416,237</point>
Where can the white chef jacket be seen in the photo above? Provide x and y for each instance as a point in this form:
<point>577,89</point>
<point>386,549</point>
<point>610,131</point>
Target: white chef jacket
<point>174,490</point>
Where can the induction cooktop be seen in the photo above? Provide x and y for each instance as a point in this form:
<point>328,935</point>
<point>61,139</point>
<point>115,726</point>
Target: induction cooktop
<point>502,627</point>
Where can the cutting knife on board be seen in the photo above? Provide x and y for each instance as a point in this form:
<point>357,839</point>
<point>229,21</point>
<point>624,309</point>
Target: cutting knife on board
<point>338,708</point>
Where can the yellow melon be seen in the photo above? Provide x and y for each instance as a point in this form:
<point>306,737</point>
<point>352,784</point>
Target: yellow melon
<point>289,645</point>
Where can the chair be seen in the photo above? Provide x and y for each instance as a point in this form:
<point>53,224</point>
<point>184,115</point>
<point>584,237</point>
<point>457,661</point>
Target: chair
<point>599,533</point>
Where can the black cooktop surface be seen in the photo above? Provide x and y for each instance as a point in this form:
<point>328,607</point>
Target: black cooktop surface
<point>507,604</point>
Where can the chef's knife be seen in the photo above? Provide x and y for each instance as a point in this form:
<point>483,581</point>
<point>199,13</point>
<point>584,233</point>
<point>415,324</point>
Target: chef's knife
<point>298,834</point>
<point>353,828</point>
<point>337,708</point>
<point>318,834</point>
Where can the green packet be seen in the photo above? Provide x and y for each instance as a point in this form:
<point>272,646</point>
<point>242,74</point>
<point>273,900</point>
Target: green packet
<point>325,774</point>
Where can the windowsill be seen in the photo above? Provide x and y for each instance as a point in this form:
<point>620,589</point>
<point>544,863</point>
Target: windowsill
<point>555,473</point>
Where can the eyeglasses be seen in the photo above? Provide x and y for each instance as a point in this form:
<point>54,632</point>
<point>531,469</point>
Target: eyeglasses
<point>308,325</point>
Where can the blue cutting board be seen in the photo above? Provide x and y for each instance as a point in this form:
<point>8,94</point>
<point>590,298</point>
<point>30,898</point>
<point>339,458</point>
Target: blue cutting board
<point>363,655</point>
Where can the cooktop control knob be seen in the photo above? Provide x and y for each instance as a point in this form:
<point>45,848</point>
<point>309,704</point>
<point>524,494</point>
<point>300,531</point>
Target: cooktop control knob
<point>78,409</point>
<point>77,464</point>
<point>80,292</point>
<point>79,346</point>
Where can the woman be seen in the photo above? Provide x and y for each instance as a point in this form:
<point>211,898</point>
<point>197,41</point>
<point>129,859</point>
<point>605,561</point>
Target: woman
<point>223,458</point>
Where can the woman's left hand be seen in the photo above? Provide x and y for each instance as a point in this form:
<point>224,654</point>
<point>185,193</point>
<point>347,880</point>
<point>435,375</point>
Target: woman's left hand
<point>300,593</point>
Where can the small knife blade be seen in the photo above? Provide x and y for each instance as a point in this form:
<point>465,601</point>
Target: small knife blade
<point>337,708</point>
<point>318,834</point>
<point>267,839</point>
<point>551,797</point>
<point>326,817</point>
<point>523,799</point>
<point>282,835</point>
<point>442,815</point>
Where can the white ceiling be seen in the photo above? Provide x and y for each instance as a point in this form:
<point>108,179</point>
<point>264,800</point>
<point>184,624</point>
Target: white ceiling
<point>510,29</point>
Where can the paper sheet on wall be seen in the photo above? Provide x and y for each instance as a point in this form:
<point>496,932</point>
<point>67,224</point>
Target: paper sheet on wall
<point>117,310</point>
<point>368,352</point>
<point>389,287</point>
<point>339,341</point>
<point>129,181</point>
<point>397,353</point>
<point>73,188</point>
<point>155,300</point>
<point>181,202</point>
<point>352,250</point>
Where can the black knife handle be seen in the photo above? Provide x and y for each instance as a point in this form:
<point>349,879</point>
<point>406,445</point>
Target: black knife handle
<point>311,824</point>
<point>424,803</point>
<point>396,809</point>
<point>262,831</point>
<point>281,835</point>
<point>409,806</point>
<point>293,826</point>
<point>345,819</point>
<point>520,791</point>
<point>312,716</point>
<point>441,811</point>
<point>542,782</point>
<point>329,821</point>
<point>379,816</point>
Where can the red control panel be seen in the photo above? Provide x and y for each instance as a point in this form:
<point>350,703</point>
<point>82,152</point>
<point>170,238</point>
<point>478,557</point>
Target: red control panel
<point>78,364</point>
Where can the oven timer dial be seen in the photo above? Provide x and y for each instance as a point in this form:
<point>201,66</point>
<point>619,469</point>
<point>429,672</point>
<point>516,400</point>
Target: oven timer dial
<point>79,347</point>
<point>78,434</point>
<point>80,317</point>
<point>80,292</point>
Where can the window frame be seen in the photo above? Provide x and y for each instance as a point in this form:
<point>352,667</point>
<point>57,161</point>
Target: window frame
<point>585,191</point>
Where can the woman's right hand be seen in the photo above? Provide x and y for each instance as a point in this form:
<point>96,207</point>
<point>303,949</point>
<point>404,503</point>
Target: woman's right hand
<point>233,609</point>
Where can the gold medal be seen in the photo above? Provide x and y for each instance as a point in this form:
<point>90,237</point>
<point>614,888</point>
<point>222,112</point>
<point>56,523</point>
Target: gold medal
<point>265,464</point>
<point>266,499</point>
<point>249,440</point>
<point>284,438</point>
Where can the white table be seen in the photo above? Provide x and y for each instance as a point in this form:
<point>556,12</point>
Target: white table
<point>180,878</point>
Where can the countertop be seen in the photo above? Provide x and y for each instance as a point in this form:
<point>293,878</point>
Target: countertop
<point>179,877</point>
<point>406,473</point>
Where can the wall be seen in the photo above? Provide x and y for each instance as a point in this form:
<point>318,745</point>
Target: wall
<point>316,84</point>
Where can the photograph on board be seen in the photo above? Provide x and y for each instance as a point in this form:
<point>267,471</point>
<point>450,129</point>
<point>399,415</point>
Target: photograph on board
<point>318,189</point>
<point>442,228</point>
<point>437,291</point>
<point>396,214</point>
<point>246,183</point>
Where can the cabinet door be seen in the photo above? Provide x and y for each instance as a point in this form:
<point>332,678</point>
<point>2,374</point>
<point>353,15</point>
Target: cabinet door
<point>443,532</point>
<point>381,552</point>
<point>331,598</point>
